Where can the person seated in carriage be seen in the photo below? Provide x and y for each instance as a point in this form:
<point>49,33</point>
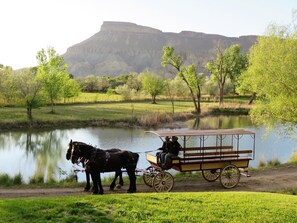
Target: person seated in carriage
<point>164,150</point>
<point>173,151</point>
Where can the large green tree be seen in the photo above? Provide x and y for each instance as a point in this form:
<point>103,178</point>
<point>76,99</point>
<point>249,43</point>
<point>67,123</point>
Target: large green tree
<point>272,75</point>
<point>153,84</point>
<point>188,74</point>
<point>28,89</point>
<point>52,72</point>
<point>229,63</point>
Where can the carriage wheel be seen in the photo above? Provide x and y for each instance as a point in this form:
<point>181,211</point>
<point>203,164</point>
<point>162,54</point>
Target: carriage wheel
<point>230,176</point>
<point>148,179</point>
<point>148,176</point>
<point>163,182</point>
<point>211,175</point>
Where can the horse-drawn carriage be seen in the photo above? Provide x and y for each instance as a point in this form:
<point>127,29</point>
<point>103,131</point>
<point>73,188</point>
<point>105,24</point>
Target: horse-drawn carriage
<point>219,154</point>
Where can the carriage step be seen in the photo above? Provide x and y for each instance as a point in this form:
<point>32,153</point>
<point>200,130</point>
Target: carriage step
<point>245,173</point>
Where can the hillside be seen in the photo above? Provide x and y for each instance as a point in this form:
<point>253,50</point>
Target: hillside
<point>121,47</point>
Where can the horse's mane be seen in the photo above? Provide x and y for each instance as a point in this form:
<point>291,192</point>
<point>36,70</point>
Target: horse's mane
<point>84,144</point>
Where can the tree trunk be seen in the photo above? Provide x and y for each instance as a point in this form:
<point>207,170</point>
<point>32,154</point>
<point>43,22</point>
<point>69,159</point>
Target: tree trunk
<point>29,112</point>
<point>192,93</point>
<point>172,104</point>
<point>199,101</point>
<point>252,98</point>
<point>52,106</point>
<point>154,99</point>
<point>221,89</point>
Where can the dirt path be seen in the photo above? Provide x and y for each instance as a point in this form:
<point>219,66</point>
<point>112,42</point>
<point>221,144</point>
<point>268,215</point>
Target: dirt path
<point>272,179</point>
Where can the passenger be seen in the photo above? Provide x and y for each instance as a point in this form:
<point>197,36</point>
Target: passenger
<point>173,150</point>
<point>164,150</point>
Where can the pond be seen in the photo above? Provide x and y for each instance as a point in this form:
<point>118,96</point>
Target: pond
<point>42,153</point>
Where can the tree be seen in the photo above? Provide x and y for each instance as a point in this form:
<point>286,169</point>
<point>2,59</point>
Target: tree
<point>229,63</point>
<point>272,76</point>
<point>90,83</point>
<point>194,81</point>
<point>28,89</point>
<point>188,74</point>
<point>71,89</point>
<point>133,82</point>
<point>153,84</point>
<point>103,84</point>
<point>174,87</point>
<point>52,72</point>
<point>7,84</point>
<point>126,92</point>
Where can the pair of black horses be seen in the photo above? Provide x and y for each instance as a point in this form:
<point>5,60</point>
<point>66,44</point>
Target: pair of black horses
<point>97,161</point>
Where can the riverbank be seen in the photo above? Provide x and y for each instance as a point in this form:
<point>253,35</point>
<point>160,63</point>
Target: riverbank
<point>276,179</point>
<point>111,114</point>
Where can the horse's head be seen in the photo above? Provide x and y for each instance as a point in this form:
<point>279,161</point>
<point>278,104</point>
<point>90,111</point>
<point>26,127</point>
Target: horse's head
<point>68,153</point>
<point>73,152</point>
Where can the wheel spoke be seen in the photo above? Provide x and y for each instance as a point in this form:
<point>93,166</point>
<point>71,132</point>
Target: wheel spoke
<point>211,175</point>
<point>230,176</point>
<point>163,182</point>
<point>148,179</point>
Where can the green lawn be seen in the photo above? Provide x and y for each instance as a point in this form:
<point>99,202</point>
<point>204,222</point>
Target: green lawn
<point>216,207</point>
<point>110,111</point>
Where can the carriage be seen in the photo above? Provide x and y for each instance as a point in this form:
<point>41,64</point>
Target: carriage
<point>222,154</point>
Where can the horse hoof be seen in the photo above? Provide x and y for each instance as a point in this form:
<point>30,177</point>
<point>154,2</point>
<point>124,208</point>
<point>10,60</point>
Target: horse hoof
<point>118,186</point>
<point>86,189</point>
<point>96,193</point>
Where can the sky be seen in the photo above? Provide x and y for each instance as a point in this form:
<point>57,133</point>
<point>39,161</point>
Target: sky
<point>27,26</point>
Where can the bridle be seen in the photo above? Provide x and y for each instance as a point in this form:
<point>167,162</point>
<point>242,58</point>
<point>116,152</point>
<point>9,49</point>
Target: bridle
<point>75,152</point>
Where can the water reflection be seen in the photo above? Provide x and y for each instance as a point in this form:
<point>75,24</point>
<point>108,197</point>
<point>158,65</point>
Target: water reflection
<point>220,122</point>
<point>41,154</point>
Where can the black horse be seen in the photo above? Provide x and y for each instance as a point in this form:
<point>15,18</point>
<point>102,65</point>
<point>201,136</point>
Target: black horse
<point>88,185</point>
<point>102,161</point>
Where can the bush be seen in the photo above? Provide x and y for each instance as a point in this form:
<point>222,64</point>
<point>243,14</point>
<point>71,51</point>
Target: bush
<point>6,180</point>
<point>36,180</point>
<point>17,179</point>
<point>274,162</point>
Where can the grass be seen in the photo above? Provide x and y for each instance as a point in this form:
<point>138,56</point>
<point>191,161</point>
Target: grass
<point>154,207</point>
<point>104,113</point>
<point>273,163</point>
<point>76,114</point>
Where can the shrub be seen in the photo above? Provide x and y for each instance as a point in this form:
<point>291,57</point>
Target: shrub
<point>17,179</point>
<point>293,158</point>
<point>5,180</point>
<point>36,180</point>
<point>274,162</point>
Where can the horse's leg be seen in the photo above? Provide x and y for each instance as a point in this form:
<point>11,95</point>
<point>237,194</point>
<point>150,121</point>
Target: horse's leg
<point>99,183</point>
<point>119,174</point>
<point>95,180</point>
<point>88,185</point>
<point>132,179</point>
<point>121,178</point>
<point>112,185</point>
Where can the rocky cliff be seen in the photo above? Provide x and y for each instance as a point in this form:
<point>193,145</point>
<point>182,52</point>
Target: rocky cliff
<point>121,47</point>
